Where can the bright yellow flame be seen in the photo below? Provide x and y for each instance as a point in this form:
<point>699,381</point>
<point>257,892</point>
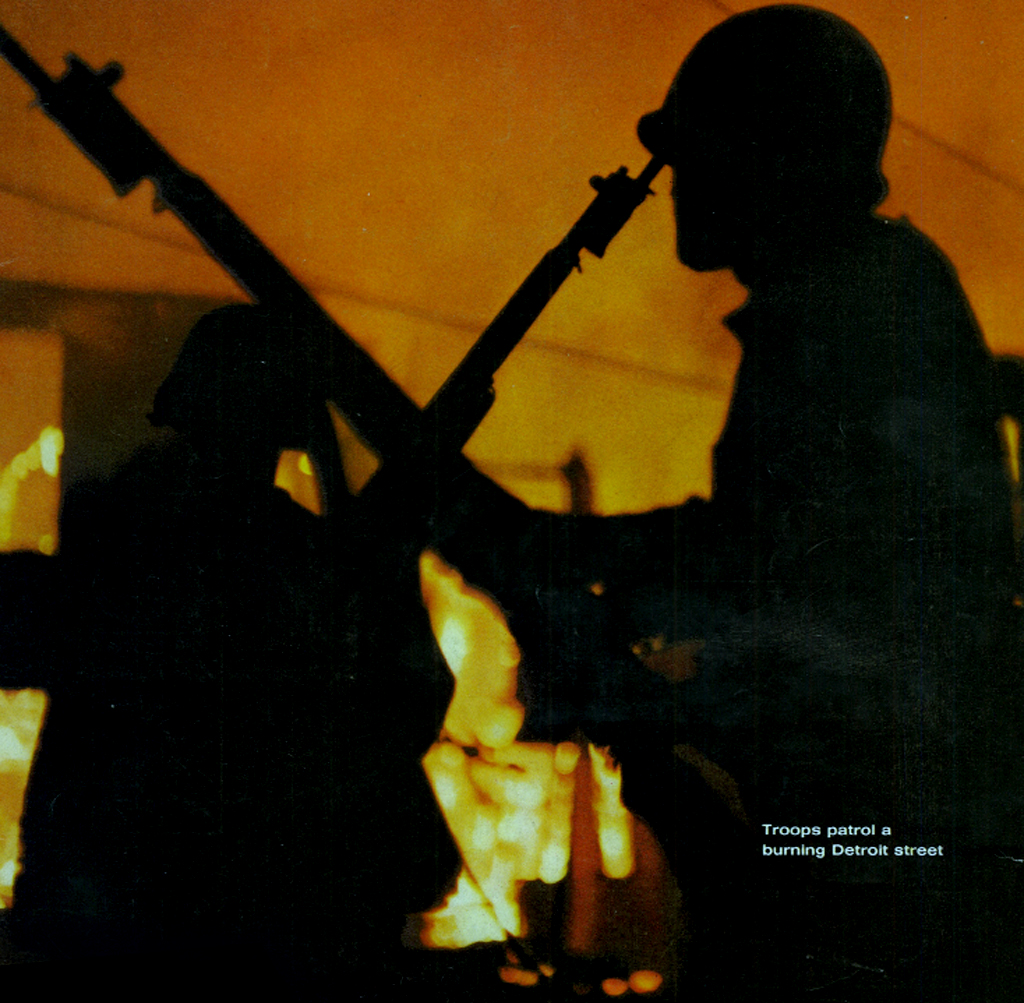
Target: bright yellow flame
<point>614,822</point>
<point>464,918</point>
<point>21,716</point>
<point>508,804</point>
<point>296,475</point>
<point>51,448</point>
<point>451,639</point>
<point>567,755</point>
<point>44,453</point>
<point>481,653</point>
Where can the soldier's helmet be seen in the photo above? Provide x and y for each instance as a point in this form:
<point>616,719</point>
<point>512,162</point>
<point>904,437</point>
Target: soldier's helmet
<point>789,102</point>
<point>238,379</point>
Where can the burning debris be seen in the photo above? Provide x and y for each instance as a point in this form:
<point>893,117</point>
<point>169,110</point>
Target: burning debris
<point>530,814</point>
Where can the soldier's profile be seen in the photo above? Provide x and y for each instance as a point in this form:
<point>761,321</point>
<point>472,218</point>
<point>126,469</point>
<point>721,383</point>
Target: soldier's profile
<point>800,696</point>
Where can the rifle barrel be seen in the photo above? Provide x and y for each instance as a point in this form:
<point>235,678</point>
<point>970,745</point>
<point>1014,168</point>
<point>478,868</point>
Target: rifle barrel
<point>10,48</point>
<point>82,103</point>
<point>450,414</point>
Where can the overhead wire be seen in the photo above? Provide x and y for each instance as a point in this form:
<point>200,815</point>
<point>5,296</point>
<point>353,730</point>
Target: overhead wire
<point>689,383</point>
<point>693,384</point>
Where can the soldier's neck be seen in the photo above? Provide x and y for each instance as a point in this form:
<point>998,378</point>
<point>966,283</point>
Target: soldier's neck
<point>791,253</point>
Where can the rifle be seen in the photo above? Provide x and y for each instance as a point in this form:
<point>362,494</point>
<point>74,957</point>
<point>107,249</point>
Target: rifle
<point>82,103</point>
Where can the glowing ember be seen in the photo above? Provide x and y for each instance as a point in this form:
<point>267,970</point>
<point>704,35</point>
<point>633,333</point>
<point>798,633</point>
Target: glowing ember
<point>645,982</point>
<point>21,716</point>
<point>518,976</point>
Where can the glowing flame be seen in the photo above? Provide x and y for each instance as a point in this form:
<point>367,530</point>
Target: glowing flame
<point>645,982</point>
<point>524,812</point>
<point>43,454</point>
<point>296,475</point>
<point>510,812</point>
<point>483,656</point>
<point>508,804</point>
<point>614,822</point>
<point>465,917</point>
<point>21,715</point>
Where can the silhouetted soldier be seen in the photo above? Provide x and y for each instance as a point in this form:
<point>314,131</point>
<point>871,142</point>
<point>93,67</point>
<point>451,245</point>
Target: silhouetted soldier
<point>859,495</point>
<point>852,574</point>
<point>861,661</point>
<point>188,793</point>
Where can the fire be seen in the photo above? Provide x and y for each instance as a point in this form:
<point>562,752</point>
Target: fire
<point>465,918</point>
<point>43,454</point>
<point>523,812</point>
<point>482,655</point>
<point>508,804</point>
<point>295,473</point>
<point>614,822</point>
<point>21,716</point>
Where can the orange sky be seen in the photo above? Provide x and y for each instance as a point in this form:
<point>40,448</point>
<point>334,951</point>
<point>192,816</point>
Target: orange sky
<point>412,161</point>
